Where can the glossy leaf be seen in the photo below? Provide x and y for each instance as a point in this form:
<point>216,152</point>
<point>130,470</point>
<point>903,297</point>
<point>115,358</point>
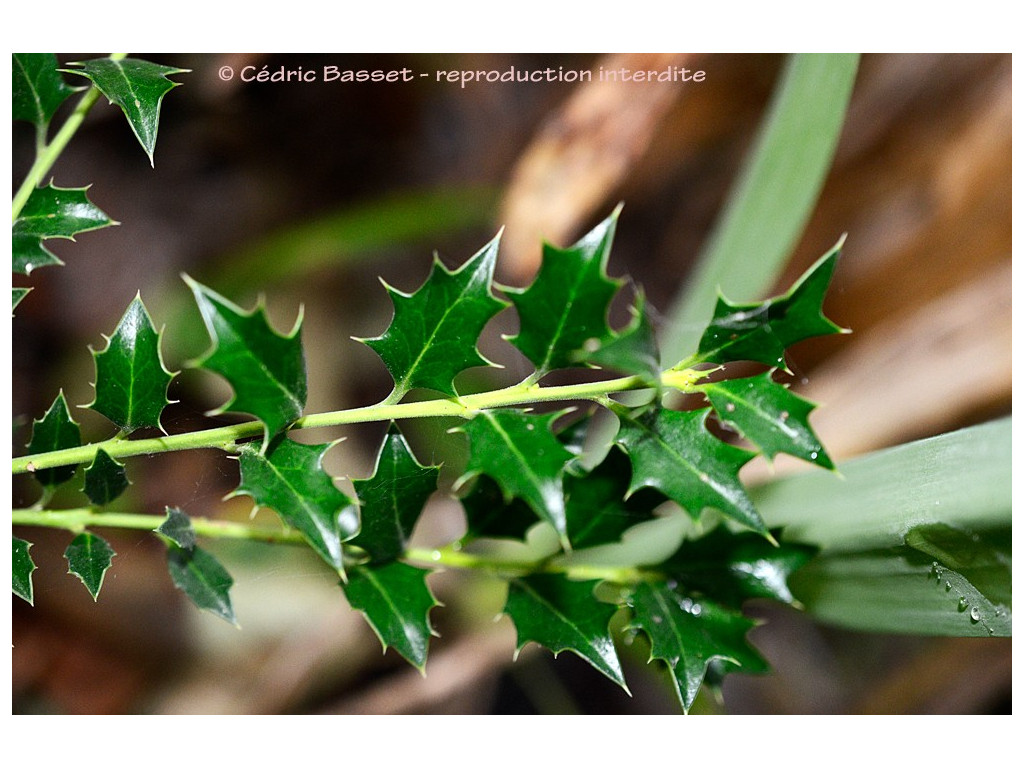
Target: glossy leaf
<point>519,451</point>
<point>490,515</point>
<point>89,557</point>
<point>434,332</point>
<point>674,452</point>
<point>396,601</point>
<point>51,212</point>
<point>770,416</point>
<point>266,370</point>
<point>37,89</point>
<point>773,196</point>
<point>633,350</point>
<point>761,332</point>
<point>289,479</point>
<point>131,380</point>
<point>200,575</point>
<point>54,432</point>
<point>596,508</point>
<point>564,312</point>
<point>21,569</point>
<point>392,499</point>
<point>688,634</point>
<point>136,86</point>
<point>18,295</point>
<point>178,528</point>
<point>733,567</point>
<point>105,479</point>
<point>561,615</point>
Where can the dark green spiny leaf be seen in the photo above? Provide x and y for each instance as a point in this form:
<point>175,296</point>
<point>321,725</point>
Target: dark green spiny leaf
<point>733,567</point>
<point>490,515</point>
<point>21,569</point>
<point>266,370</point>
<point>37,89</point>
<point>200,575</point>
<point>519,451</point>
<point>289,478</point>
<point>396,601</point>
<point>178,528</point>
<point>596,508</point>
<point>88,558</point>
<point>131,381</point>
<point>762,332</point>
<point>674,452</point>
<point>54,432</point>
<point>564,312</point>
<point>688,634</point>
<point>105,479</point>
<point>392,499</point>
<point>137,87</point>
<point>770,416</point>
<point>633,350</point>
<point>434,332</point>
<point>561,615</point>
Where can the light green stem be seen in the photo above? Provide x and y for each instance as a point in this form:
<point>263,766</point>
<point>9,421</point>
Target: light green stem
<point>77,520</point>
<point>47,154</point>
<point>226,438</point>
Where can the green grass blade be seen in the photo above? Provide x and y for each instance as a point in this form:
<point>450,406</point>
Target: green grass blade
<point>915,539</point>
<point>772,199</point>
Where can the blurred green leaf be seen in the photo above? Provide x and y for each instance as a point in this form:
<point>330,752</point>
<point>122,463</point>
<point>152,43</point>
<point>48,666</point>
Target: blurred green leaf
<point>89,557</point>
<point>396,601</point>
<point>561,615</point>
<point>359,231</point>
<point>131,380</point>
<point>21,569</point>
<point>105,479</point>
<point>138,87</point>
<point>178,528</point>
<point>200,575</point>
<point>888,517</point>
<point>772,200</point>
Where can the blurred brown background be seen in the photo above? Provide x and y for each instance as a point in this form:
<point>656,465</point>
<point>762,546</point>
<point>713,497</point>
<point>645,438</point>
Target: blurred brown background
<point>252,184</point>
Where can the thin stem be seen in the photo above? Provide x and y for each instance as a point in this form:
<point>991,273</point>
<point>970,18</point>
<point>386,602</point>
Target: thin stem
<point>47,154</point>
<point>456,558</point>
<point>78,519</point>
<point>226,438</point>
